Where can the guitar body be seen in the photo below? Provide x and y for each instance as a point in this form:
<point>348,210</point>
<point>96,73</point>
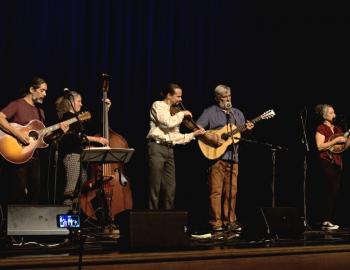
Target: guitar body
<point>214,143</point>
<point>212,151</point>
<point>15,152</point>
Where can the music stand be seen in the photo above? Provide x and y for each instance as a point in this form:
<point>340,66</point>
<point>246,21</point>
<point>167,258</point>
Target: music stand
<point>105,155</point>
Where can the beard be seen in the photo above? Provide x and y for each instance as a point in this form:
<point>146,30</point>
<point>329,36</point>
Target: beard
<point>38,100</point>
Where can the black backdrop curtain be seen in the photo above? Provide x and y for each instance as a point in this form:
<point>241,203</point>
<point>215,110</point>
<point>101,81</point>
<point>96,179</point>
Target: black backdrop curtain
<point>281,55</point>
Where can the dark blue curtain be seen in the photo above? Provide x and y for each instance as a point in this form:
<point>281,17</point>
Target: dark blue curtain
<point>285,56</point>
<point>141,44</point>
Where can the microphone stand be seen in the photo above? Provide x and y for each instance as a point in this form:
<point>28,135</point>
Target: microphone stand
<point>54,147</point>
<point>273,148</point>
<point>231,168</point>
<point>55,170</point>
<point>306,150</point>
<point>273,182</point>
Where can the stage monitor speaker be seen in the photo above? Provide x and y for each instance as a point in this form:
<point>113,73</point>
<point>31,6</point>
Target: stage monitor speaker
<point>34,220</point>
<point>282,221</point>
<point>153,228</point>
<point>276,222</point>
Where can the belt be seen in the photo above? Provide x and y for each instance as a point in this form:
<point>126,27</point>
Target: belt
<point>165,143</point>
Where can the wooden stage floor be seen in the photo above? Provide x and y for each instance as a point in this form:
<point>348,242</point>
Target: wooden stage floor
<point>311,250</point>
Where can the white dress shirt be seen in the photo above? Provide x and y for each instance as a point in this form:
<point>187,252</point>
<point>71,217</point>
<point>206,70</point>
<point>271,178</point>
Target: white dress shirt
<point>165,127</point>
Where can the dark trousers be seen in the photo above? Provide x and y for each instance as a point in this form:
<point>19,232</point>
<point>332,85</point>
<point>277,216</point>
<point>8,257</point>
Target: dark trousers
<point>331,177</point>
<point>162,183</point>
<point>22,182</point>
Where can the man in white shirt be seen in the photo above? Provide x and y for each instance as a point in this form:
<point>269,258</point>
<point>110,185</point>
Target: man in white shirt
<point>163,135</point>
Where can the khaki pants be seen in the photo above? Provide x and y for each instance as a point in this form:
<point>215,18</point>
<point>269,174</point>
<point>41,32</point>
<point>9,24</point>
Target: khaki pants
<point>219,188</point>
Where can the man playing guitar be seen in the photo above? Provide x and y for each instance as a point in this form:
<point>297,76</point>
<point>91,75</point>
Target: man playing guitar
<point>23,180</point>
<point>222,179</point>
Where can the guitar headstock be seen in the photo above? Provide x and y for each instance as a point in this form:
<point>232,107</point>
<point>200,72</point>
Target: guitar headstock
<point>84,116</point>
<point>268,114</point>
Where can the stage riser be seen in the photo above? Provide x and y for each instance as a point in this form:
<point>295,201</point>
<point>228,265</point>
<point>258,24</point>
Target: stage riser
<point>320,261</point>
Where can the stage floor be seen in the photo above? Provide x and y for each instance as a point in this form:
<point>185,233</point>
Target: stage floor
<point>325,250</point>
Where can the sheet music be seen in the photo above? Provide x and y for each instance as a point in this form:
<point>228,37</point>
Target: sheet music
<point>97,147</point>
<point>102,148</point>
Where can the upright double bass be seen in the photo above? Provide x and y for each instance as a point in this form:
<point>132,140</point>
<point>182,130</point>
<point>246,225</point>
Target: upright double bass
<point>116,190</point>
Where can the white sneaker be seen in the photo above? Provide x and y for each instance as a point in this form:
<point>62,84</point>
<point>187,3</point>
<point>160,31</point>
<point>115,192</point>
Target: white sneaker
<point>326,225</point>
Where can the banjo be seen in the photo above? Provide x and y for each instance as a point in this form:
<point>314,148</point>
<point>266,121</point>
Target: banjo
<point>339,147</point>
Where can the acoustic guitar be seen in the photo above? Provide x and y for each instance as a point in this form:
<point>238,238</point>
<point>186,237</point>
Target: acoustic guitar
<point>226,135</point>
<point>16,152</point>
<point>339,147</point>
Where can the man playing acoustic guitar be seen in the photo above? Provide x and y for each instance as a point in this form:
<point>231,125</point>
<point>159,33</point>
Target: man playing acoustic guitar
<point>222,179</point>
<point>23,179</point>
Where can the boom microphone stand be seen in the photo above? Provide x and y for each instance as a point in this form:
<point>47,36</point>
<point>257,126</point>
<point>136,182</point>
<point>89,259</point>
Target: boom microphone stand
<point>273,148</point>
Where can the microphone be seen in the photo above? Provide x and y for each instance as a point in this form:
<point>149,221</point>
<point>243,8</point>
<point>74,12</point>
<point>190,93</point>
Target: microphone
<point>228,105</point>
<point>66,93</point>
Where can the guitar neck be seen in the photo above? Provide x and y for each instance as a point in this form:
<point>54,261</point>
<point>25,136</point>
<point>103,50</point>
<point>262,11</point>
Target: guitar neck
<point>52,128</point>
<point>244,127</point>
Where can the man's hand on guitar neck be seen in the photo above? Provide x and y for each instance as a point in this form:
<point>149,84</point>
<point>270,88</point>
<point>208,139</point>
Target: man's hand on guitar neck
<point>249,125</point>
<point>64,127</point>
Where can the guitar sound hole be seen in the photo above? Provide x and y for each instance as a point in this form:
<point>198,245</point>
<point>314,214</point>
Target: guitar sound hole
<point>33,135</point>
<point>224,136</point>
